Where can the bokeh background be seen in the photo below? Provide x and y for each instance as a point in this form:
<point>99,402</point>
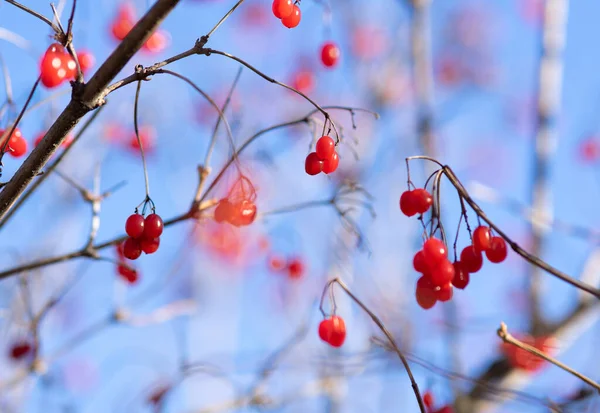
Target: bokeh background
<point>228,311</point>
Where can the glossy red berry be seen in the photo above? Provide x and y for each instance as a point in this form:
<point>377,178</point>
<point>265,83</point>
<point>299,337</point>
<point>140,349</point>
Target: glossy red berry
<point>295,268</point>
<point>282,8</point>
<point>497,251</point>
<point>149,245</point>
<point>471,259</point>
<point>153,226</point>
<point>293,19</point>
<point>330,54</point>
<point>325,147</point>
<point>313,165</point>
<point>331,164</point>
<point>445,292</point>
<point>408,204</point>
<point>419,263</point>
<point>442,273</point>
<point>223,211</point>
<point>461,276</point>
<point>425,293</point>
<point>434,251</point>
<point>134,226</point>
<point>17,145</point>
<point>132,249</point>
<point>482,238</point>
<point>69,64</point>
<point>246,213</point>
<point>422,200</point>
<point>157,42</point>
<point>52,70</point>
<point>128,274</point>
<point>332,330</point>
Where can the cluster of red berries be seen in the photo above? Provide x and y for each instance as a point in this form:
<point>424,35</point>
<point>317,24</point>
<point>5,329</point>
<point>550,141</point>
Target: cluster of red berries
<point>330,54</point>
<point>144,235</point>
<point>125,271</point>
<point>324,159</point>
<point>416,201</point>
<point>124,22</point>
<point>428,401</point>
<point>17,145</point>
<point>332,330</point>
<point>238,214</point>
<point>288,12</point>
<point>524,360</point>
<point>57,65</point>
<point>294,266</point>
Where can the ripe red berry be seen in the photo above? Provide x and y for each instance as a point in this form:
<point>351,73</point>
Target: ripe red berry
<point>407,203</point>
<point>331,164</point>
<point>482,238</point>
<point>461,276</point>
<point>434,251</point>
<point>428,400</point>
<point>303,81</point>
<point>17,145</point>
<point>332,330</point>
<point>325,147</point>
<point>422,200</point>
<point>157,42</point>
<point>295,268</point>
<point>282,8</point>
<point>149,245</point>
<point>497,251</point>
<point>134,226</point>
<point>313,165</point>
<point>52,71</point>
<point>69,64</point>
<point>293,19</point>
<point>425,293</point>
<point>419,263</point>
<point>20,349</point>
<point>442,273</point>
<point>445,292</point>
<point>330,54</point>
<point>123,22</point>
<point>223,211</point>
<point>132,249</point>
<point>128,274</point>
<point>153,226</point>
<point>471,259</point>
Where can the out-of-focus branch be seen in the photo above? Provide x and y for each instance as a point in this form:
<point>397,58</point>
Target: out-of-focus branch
<point>549,97</point>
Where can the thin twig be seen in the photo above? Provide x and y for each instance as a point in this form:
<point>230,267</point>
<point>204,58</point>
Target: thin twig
<point>36,14</point>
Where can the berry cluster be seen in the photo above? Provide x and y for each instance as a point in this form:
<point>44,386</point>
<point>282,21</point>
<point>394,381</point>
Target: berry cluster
<point>524,360</point>
<point>57,65</point>
<point>324,159</point>
<point>332,330</point>
<point>127,273</point>
<point>428,401</point>
<point>144,235</point>
<point>294,266</point>
<point>288,12</point>
<point>17,145</point>
<point>238,214</point>
<point>330,54</point>
<point>417,201</point>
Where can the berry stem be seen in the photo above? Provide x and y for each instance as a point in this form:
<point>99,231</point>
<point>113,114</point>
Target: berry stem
<point>220,22</point>
<point>137,135</point>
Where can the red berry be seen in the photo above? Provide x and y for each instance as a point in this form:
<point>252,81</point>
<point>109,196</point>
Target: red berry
<point>407,203</point>
<point>497,251</point>
<point>442,273</point>
<point>282,8</point>
<point>123,23</point>
<point>153,226</point>
<point>69,64</point>
<point>52,70</point>
<point>434,251</point>
<point>295,268</point>
<point>332,330</point>
<point>119,249</point>
<point>482,238</point>
<point>461,276</point>
<point>293,19</point>
<point>425,293</point>
<point>20,349</point>
<point>445,292</point>
<point>428,400</point>
<point>244,213</point>
<point>313,165</point>
<point>157,42</point>
<point>17,145</point>
<point>325,148</point>
<point>419,263</point>
<point>471,259</point>
<point>330,54</point>
<point>303,81</point>
<point>86,60</point>
<point>331,164</point>
<point>149,245</point>
<point>128,274</point>
<point>422,200</point>
<point>445,409</point>
<point>276,263</point>
<point>134,226</point>
<point>132,249</point>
